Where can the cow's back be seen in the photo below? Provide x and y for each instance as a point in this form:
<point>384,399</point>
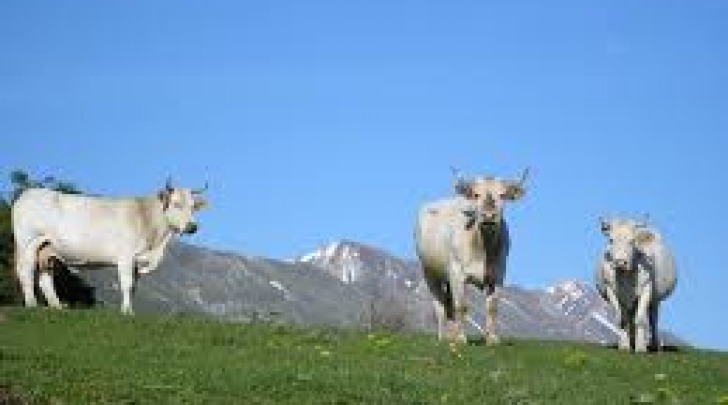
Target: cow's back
<point>44,208</point>
<point>79,226</point>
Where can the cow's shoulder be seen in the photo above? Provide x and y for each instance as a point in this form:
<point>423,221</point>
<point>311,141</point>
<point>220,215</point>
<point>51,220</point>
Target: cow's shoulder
<point>35,198</point>
<point>35,192</point>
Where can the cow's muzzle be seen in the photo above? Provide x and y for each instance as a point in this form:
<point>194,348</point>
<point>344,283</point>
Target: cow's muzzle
<point>621,264</point>
<point>489,218</point>
<point>190,228</point>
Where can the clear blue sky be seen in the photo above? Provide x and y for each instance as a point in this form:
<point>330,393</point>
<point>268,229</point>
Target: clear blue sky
<point>318,120</point>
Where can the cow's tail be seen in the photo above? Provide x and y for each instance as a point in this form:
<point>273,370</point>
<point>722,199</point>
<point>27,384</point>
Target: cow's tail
<point>13,268</point>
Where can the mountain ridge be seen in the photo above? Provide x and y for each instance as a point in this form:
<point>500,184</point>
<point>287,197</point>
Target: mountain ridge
<point>351,284</point>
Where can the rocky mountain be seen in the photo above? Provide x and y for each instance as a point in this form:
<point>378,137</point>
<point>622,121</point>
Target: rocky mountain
<point>346,283</point>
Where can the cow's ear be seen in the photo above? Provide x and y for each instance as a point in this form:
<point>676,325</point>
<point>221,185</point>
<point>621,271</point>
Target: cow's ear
<point>163,196</point>
<point>464,188</point>
<point>199,204</point>
<point>644,236</point>
<point>514,191</point>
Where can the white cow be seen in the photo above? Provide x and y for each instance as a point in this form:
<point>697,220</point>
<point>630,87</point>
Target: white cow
<point>81,231</point>
<point>634,274</point>
<point>465,240</point>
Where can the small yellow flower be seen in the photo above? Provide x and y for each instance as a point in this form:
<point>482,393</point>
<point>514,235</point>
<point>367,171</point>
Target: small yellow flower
<point>665,393</point>
<point>644,398</point>
<point>575,359</point>
<point>496,375</point>
<point>383,342</point>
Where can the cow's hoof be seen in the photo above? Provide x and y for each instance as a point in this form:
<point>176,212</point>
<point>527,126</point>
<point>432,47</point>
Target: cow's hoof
<point>492,339</point>
<point>31,303</point>
<point>457,338</point>
<point>640,341</point>
<point>455,333</point>
<point>624,342</point>
<point>640,347</point>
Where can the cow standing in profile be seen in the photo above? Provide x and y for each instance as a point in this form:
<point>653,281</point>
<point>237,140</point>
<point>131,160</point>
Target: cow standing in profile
<point>634,274</point>
<point>83,231</point>
<point>465,240</point>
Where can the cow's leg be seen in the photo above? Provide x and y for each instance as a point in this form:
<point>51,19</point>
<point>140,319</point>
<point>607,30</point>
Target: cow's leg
<point>460,309</point>
<point>654,332</point>
<point>46,261</point>
<point>440,293</point>
<point>621,319</point>
<point>631,331</point>
<point>440,318</point>
<point>491,310</point>
<point>45,280</point>
<point>126,284</point>
<point>640,318</point>
<point>25,269</point>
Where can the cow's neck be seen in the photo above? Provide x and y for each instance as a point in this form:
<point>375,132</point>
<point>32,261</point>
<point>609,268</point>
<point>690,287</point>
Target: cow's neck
<point>157,231</point>
<point>150,259</point>
<point>486,239</point>
<point>485,243</point>
<point>491,239</point>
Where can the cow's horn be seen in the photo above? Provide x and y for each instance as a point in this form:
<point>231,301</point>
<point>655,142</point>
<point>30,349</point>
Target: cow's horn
<point>524,176</point>
<point>459,178</point>
<point>201,190</point>
<point>460,182</point>
<point>646,218</point>
<point>456,172</point>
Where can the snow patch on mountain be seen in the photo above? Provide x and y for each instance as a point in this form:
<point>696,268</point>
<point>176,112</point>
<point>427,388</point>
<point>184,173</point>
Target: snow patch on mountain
<point>322,254</point>
<point>352,262</point>
<point>279,286</point>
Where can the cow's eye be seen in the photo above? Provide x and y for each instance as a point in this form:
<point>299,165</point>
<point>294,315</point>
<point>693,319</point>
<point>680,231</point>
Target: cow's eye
<point>476,195</point>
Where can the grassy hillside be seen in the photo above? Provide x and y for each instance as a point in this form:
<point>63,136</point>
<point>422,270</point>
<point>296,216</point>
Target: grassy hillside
<point>92,356</point>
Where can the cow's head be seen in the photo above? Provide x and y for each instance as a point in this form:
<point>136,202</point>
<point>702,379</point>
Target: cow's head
<point>179,206</point>
<point>487,195</point>
<point>625,240</point>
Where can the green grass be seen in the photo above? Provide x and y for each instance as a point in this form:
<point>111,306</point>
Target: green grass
<point>95,356</point>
